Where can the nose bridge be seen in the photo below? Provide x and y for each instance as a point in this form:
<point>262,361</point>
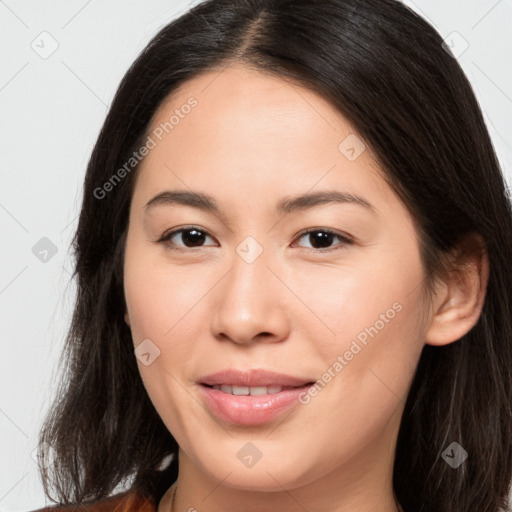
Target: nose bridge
<point>250,302</point>
<point>250,275</point>
<point>249,281</point>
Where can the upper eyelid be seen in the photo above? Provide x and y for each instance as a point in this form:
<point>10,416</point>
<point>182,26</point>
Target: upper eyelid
<point>328,230</point>
<point>347,238</point>
<point>167,234</point>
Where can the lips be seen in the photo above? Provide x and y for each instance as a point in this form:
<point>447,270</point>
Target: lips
<point>251,397</point>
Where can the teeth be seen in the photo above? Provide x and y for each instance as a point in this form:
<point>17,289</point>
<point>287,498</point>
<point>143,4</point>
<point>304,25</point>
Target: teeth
<point>245,390</point>
<point>259,390</point>
<point>240,390</point>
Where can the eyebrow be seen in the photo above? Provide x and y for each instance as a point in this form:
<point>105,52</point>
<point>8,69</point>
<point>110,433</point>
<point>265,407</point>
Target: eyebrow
<point>285,206</point>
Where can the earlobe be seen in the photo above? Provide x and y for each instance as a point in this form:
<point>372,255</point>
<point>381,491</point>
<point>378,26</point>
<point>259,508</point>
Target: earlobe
<point>127,318</point>
<point>458,306</point>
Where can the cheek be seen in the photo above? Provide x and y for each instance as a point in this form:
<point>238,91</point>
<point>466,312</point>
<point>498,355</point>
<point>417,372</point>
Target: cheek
<point>365,380</point>
<point>378,302</point>
<point>374,315</point>
<point>160,297</point>
<point>161,306</point>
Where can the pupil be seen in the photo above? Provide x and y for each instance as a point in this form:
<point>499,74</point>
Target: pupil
<point>196,238</point>
<point>321,239</point>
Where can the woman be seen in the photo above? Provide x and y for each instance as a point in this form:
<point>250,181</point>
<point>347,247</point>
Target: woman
<point>293,283</point>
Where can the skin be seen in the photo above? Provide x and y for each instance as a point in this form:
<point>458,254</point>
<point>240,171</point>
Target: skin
<point>251,141</point>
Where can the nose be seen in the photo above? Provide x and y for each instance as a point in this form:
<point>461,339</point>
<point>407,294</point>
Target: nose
<point>250,304</point>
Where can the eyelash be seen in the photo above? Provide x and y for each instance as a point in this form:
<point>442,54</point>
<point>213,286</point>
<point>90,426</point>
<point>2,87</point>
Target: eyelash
<point>165,239</point>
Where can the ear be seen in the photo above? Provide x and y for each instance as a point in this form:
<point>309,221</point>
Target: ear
<point>127,318</point>
<point>459,296</point>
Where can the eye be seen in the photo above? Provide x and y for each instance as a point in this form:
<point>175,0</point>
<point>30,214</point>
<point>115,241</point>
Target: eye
<point>190,237</point>
<point>322,238</point>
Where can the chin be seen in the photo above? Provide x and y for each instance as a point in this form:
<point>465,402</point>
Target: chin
<point>270,473</point>
<point>260,481</point>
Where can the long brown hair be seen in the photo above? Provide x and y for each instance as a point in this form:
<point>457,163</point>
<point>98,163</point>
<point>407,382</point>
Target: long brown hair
<point>386,70</point>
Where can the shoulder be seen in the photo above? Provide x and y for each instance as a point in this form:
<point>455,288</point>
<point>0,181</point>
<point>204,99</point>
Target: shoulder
<point>127,501</point>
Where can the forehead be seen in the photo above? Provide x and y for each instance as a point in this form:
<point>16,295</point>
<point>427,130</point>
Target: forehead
<point>238,97</point>
<point>253,133</point>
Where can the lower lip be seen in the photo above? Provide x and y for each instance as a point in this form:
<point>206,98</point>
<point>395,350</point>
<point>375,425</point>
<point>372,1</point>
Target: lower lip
<point>250,410</point>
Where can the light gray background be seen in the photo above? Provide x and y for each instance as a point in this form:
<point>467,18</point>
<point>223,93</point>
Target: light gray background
<point>52,109</point>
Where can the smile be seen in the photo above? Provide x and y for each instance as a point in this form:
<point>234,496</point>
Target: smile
<point>252,397</point>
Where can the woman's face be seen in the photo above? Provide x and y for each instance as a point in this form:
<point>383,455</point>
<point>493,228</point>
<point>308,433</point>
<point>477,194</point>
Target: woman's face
<point>301,261</point>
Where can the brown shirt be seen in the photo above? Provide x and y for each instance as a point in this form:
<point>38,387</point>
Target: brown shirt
<point>127,501</point>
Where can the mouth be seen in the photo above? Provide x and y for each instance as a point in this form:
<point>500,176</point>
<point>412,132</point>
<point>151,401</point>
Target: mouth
<point>252,397</point>
<point>252,390</point>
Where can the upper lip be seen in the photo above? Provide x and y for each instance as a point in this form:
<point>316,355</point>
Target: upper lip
<point>253,378</point>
